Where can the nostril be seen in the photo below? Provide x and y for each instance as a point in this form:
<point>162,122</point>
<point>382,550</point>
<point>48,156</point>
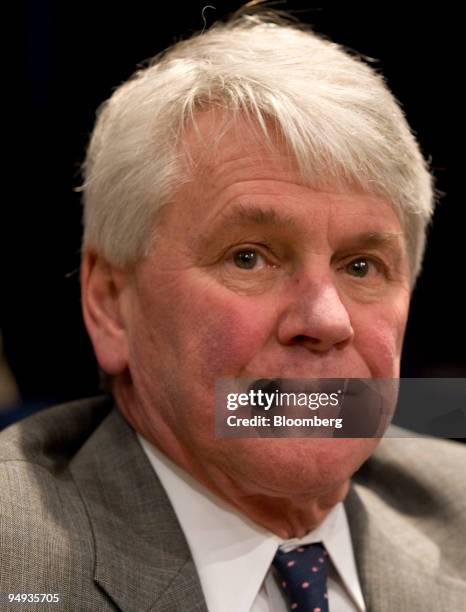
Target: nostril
<point>301,338</point>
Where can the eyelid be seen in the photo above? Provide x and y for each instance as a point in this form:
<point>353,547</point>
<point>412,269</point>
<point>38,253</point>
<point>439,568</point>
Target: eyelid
<point>258,247</point>
<point>376,259</point>
<point>380,264</point>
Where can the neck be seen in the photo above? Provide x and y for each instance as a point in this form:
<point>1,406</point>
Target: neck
<point>293,516</point>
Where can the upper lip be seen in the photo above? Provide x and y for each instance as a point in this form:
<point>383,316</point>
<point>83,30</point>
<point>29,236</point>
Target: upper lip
<point>300,385</point>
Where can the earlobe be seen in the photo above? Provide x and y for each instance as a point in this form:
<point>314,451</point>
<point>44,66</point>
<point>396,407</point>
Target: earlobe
<point>101,295</point>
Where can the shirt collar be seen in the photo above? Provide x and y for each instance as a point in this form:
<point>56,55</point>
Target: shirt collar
<point>230,550</point>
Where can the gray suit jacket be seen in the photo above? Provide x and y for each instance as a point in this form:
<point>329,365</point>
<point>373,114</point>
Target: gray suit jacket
<point>83,515</point>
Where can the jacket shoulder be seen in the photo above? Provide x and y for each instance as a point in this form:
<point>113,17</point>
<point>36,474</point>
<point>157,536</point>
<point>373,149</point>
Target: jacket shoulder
<point>46,542</point>
<point>414,488</point>
<point>422,464</point>
<point>52,436</point>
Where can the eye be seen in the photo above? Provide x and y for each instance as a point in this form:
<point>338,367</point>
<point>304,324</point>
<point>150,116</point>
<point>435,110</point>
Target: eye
<point>360,267</point>
<point>247,259</point>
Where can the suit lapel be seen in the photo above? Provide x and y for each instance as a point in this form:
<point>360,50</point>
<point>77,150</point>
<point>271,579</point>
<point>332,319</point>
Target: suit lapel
<point>142,560</point>
<point>397,563</point>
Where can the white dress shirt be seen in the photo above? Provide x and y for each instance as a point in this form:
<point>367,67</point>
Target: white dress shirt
<point>233,555</point>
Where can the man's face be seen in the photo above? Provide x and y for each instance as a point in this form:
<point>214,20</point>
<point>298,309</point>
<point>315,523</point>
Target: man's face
<point>256,275</point>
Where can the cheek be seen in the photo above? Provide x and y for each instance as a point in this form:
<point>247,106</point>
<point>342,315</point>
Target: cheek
<point>380,338</point>
<point>232,333</point>
<point>208,331</point>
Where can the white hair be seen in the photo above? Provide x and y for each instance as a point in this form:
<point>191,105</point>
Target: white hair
<point>333,111</point>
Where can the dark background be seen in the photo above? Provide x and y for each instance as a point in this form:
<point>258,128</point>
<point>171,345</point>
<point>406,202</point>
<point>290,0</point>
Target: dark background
<point>68,56</point>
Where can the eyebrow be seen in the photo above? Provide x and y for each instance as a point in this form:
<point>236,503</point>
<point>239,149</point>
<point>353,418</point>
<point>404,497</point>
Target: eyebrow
<point>379,239</point>
<point>389,241</point>
<point>255,215</point>
<point>246,214</point>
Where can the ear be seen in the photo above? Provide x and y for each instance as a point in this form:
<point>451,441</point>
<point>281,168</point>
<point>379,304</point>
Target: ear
<point>102,288</point>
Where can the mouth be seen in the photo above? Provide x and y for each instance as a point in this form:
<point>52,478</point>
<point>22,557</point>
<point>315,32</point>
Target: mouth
<point>346,386</point>
<point>358,403</point>
<point>266,385</point>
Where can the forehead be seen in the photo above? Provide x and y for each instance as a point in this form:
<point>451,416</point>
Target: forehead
<point>220,150</point>
<point>239,177</point>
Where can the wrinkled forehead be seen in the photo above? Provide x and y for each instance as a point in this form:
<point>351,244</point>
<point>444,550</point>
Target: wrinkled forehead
<point>217,146</point>
<point>222,152</point>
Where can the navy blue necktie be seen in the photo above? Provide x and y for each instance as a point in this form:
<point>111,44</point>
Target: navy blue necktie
<point>303,577</point>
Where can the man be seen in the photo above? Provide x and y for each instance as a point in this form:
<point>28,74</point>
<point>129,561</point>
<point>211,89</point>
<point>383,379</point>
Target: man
<point>255,206</point>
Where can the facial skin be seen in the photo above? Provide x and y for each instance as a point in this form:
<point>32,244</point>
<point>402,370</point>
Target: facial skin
<point>253,274</point>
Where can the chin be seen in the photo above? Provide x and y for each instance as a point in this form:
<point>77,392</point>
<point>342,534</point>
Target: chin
<point>296,465</point>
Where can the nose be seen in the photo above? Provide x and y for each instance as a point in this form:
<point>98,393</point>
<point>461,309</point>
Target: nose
<point>315,318</point>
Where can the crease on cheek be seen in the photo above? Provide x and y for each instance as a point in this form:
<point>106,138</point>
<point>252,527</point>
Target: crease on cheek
<point>386,342</point>
<point>386,337</point>
<point>399,320</point>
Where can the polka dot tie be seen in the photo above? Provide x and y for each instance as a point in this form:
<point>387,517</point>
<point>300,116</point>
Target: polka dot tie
<point>302,574</point>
